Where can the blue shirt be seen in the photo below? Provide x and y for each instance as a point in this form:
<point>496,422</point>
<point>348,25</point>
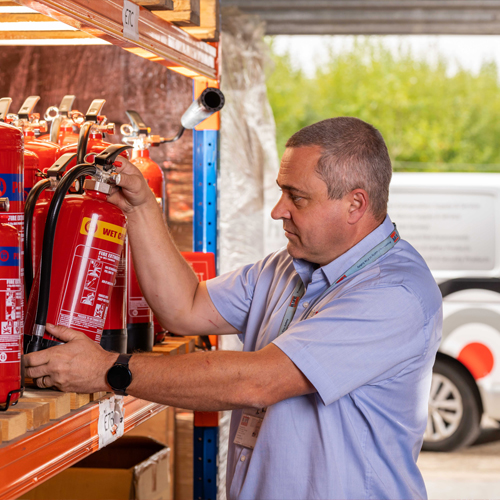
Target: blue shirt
<point>369,353</point>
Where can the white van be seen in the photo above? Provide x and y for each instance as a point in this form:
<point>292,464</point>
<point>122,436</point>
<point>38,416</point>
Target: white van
<point>453,220</point>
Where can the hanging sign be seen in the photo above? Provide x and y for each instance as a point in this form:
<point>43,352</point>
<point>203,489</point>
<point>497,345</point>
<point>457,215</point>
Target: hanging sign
<point>130,19</point>
<point>111,423</point>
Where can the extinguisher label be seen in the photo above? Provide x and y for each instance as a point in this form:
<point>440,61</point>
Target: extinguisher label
<point>11,186</point>
<point>93,271</point>
<point>103,230</point>
<point>11,315</point>
<point>9,256</point>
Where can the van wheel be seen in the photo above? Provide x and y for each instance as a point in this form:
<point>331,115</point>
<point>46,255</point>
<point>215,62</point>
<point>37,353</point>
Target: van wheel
<point>454,410</point>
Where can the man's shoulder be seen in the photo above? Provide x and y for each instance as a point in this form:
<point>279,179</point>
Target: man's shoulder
<point>405,267</point>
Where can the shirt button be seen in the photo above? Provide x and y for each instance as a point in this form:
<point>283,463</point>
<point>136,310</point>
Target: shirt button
<point>305,304</point>
<point>243,458</point>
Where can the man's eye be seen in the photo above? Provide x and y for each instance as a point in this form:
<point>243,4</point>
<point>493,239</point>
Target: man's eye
<point>296,198</point>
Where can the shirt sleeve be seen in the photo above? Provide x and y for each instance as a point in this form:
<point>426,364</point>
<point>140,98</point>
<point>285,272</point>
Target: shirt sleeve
<point>359,338</point>
<point>232,293</point>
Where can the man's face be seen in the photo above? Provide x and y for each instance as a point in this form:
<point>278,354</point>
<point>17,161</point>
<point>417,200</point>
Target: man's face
<point>315,225</point>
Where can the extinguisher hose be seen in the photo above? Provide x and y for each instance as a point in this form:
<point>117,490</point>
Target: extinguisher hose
<point>83,140</point>
<point>48,247</point>
<point>29,210</point>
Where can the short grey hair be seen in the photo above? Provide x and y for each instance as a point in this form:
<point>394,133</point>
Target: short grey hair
<point>354,156</point>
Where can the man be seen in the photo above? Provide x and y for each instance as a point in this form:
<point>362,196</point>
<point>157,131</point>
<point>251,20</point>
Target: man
<point>340,331</point>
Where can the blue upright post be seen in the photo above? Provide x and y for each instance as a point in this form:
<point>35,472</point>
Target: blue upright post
<point>205,160</point>
<point>205,166</point>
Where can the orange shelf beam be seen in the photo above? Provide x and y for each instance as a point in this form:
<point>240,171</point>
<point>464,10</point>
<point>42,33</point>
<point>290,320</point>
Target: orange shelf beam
<point>159,40</point>
<point>41,454</point>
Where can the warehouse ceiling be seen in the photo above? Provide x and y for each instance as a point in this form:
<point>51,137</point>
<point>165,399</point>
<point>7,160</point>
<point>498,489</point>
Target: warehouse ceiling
<point>375,17</point>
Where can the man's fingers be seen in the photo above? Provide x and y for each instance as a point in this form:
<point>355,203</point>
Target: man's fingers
<point>36,359</point>
<point>64,333</point>
<point>132,182</point>
<point>44,382</point>
<point>37,371</point>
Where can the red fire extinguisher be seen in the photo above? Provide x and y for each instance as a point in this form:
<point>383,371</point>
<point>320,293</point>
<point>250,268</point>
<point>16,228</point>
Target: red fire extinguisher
<point>35,216</point>
<point>64,122</point>
<point>11,284</point>
<point>82,244</point>
<point>10,311</point>
<point>31,162</point>
<point>47,152</point>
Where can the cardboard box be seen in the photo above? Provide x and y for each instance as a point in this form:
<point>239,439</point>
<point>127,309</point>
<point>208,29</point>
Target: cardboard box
<point>132,468</point>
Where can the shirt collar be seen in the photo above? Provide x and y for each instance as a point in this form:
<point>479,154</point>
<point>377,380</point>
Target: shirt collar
<point>340,265</point>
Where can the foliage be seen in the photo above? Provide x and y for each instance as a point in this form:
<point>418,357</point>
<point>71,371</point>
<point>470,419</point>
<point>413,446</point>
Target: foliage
<point>425,113</point>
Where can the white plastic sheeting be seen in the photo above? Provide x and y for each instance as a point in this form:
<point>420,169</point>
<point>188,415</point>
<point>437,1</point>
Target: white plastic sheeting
<point>248,166</point>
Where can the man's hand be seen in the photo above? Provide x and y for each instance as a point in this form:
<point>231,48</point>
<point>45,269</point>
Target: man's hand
<point>80,365</point>
<point>132,190</point>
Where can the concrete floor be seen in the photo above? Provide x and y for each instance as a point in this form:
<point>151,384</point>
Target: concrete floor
<point>472,473</point>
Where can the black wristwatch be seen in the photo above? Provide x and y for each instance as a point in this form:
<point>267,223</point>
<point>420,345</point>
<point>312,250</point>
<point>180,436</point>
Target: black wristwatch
<point>119,376</point>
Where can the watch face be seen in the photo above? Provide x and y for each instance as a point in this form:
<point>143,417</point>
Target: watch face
<point>119,377</point>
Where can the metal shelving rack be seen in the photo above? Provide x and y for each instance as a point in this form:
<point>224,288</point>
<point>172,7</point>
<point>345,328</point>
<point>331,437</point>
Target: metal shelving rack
<point>41,454</point>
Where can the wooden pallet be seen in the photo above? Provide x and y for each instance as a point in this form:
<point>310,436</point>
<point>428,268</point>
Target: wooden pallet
<point>37,407</point>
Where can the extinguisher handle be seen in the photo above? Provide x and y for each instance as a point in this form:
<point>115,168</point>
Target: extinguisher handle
<point>94,110</point>
<point>107,157</point>
<point>5,103</point>
<point>28,107</point>
<point>137,122</point>
<point>59,167</point>
<point>66,105</point>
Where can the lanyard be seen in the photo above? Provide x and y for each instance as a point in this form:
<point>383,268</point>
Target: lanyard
<point>298,292</point>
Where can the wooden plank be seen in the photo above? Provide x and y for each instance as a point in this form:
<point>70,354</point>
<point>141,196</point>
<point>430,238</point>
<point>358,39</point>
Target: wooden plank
<point>155,4</point>
<point>14,424</point>
<point>96,395</point>
<point>22,18</point>
<point>60,402</point>
<point>182,343</point>
<point>185,13</point>
<point>78,400</point>
<point>37,413</point>
<point>209,28</point>
<point>166,350</point>
<point>43,35</point>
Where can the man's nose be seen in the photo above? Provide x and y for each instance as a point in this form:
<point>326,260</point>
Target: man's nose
<point>280,211</point>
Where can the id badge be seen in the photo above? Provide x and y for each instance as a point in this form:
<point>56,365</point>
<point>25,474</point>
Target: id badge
<point>248,430</point>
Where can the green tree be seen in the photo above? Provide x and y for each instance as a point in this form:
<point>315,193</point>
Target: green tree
<point>426,113</point>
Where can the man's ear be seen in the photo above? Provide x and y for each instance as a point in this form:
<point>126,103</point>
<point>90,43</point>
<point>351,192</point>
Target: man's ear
<point>358,204</point>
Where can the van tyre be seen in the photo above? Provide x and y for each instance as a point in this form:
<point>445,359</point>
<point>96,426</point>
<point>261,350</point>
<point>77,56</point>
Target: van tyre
<point>454,408</point>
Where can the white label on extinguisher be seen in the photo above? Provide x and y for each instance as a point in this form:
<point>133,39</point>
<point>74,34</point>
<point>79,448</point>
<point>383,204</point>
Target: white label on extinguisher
<point>130,19</point>
<point>86,298</point>
<point>111,423</point>
<point>10,326</point>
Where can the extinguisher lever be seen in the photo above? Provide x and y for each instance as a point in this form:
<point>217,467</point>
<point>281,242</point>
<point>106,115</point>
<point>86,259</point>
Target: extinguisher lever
<point>28,107</point>
<point>137,122</point>
<point>66,105</point>
<point>58,169</point>
<point>106,158</point>
<point>5,103</point>
<point>94,110</point>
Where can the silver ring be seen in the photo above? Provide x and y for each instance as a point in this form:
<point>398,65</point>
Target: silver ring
<point>43,382</point>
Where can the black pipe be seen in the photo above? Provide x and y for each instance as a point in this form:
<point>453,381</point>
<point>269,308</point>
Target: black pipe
<point>83,140</point>
<point>176,137</point>
<point>29,209</point>
<point>48,247</point>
